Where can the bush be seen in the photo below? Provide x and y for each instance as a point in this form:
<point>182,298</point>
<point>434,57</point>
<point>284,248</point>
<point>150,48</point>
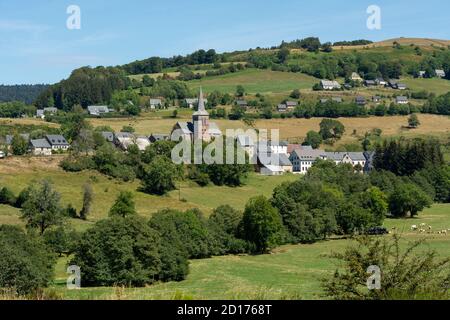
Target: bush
<point>119,251</point>
<point>7,197</point>
<point>25,263</point>
<point>186,231</point>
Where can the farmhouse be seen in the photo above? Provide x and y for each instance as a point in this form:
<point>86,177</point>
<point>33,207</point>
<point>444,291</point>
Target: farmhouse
<point>200,128</point>
<point>361,101</point>
<point>422,74</point>
<point>440,73</point>
<point>356,77</point>
<point>40,113</point>
<point>97,111</point>
<point>40,147</point>
<point>155,103</point>
<point>402,86</point>
<point>381,82</point>
<point>291,104</point>
<point>241,103</point>
<point>370,83</point>
<point>353,158</point>
<point>302,159</point>
<point>123,140</point>
<point>57,142</point>
<point>282,108</point>
<point>401,100</point>
<point>376,99</point>
<point>329,85</point>
<point>279,165</point>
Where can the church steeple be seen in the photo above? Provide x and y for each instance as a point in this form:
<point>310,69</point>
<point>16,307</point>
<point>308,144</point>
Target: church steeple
<point>201,105</point>
<point>200,120</point>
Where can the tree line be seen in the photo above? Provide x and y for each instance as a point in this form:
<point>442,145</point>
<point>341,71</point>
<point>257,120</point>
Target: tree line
<point>26,93</point>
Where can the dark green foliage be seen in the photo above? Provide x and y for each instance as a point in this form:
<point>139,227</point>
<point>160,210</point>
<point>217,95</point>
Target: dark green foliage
<point>224,225</point>
<point>85,86</point>
<point>61,240</point>
<point>262,224</point>
<point>26,265</point>
<point>7,197</point>
<point>331,129</point>
<point>88,197</point>
<point>119,251</point>
<point>313,139</point>
<point>160,176</point>
<point>16,109</point>
<point>187,231</point>
<point>405,157</point>
<point>408,199</point>
<point>24,93</point>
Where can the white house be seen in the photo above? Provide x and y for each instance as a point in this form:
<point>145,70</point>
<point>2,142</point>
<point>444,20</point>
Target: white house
<point>40,147</point>
<point>57,142</point>
<point>329,85</point>
<point>304,158</point>
<point>98,110</point>
<point>353,158</point>
<point>155,103</point>
<point>440,73</point>
<point>356,77</point>
<point>401,100</point>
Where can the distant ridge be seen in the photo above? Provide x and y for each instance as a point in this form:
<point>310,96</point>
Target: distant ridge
<point>421,42</point>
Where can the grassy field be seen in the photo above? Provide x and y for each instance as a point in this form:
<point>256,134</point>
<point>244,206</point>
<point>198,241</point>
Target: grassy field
<point>435,85</point>
<point>256,81</point>
<point>16,174</point>
<point>292,271</point>
<point>296,129</point>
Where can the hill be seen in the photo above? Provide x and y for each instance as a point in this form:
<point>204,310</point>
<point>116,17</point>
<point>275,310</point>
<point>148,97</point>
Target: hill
<point>421,42</point>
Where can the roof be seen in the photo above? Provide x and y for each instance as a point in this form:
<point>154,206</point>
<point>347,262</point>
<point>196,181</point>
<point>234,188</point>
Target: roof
<point>50,110</point>
<point>109,136</point>
<point>155,101</point>
<point>370,82</point>
<point>273,168</point>
<point>159,136</point>
<point>440,72</point>
<point>124,135</point>
<point>98,109</point>
<point>292,147</point>
<point>360,99</point>
<point>40,143</point>
<point>401,85</point>
<point>306,154</point>
<point>291,103</point>
<point>39,113</point>
<point>57,140</point>
<point>339,156</point>
<point>283,160</point>
<point>328,83</point>
<point>241,102</point>
<point>282,107</point>
<point>142,142</point>
<point>401,98</point>
<point>186,127</point>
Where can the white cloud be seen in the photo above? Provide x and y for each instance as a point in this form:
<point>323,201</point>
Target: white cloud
<point>22,25</point>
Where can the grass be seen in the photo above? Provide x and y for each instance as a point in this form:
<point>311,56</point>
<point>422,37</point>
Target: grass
<point>255,81</point>
<point>292,271</point>
<point>434,85</point>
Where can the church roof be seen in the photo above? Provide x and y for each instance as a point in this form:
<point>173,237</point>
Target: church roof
<point>201,106</point>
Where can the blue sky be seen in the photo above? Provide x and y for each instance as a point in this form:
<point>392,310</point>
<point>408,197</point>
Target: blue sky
<point>36,46</point>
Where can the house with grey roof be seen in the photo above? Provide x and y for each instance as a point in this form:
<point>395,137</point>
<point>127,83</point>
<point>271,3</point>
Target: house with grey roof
<point>370,83</point>
<point>40,147</point>
<point>402,86</point>
<point>108,136</point>
<point>282,108</point>
<point>381,82</point>
<point>57,142</point>
<point>376,99</point>
<point>360,101</point>
<point>353,158</point>
<point>303,159</point>
<point>241,103</point>
<point>40,113</point>
<point>291,105</point>
<point>155,103</point>
<point>440,73</point>
<point>401,100</point>
<point>330,85</point>
<point>97,111</point>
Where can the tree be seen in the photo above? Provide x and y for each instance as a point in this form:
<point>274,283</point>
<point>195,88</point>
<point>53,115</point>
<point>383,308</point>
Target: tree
<point>331,129</point>
<point>261,224</point>
<point>7,197</point>
<point>88,197</point>
<point>283,55</point>
<point>119,251</point>
<point>408,198</point>
<point>186,231</point>
<point>124,205</point>
<point>42,209</point>
<point>224,225</point>
<point>19,145</point>
<point>295,94</point>
<point>413,121</point>
<point>377,202</point>
<point>313,139</point>
<point>240,91</point>
<point>406,273</point>
<point>25,263</point>
<point>160,176</point>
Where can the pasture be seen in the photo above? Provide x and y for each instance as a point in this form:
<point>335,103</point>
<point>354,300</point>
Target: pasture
<point>291,272</point>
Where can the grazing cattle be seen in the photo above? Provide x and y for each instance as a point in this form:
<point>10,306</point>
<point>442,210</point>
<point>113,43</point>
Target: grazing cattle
<point>414,227</point>
<point>423,225</point>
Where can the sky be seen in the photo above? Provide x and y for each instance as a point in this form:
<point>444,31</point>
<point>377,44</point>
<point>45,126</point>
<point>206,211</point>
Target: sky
<point>37,47</point>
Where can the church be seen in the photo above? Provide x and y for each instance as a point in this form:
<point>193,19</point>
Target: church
<point>200,128</point>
